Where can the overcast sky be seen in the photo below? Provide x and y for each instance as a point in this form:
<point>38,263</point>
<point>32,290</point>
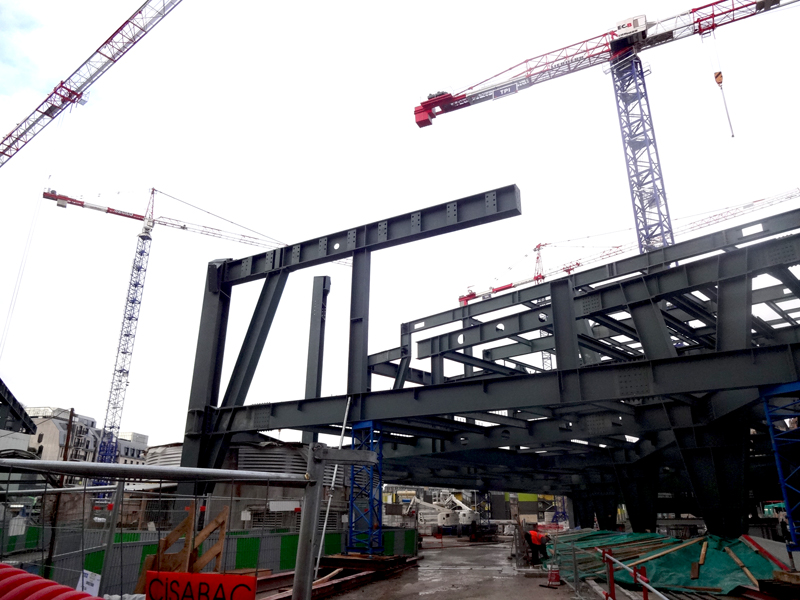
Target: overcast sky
<point>296,120</point>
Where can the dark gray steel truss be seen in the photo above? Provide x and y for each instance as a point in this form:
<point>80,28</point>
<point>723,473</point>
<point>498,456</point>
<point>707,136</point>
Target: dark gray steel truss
<point>658,360</point>
<point>12,415</point>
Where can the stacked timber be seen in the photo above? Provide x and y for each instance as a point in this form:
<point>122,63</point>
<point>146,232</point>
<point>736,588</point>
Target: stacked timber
<point>623,546</point>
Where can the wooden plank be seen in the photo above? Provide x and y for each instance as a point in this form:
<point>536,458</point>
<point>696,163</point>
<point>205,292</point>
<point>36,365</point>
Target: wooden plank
<point>695,573</point>
<point>698,589</point>
<point>787,577</point>
<point>327,577</point>
<point>702,560</point>
<point>665,552</point>
<point>739,562</point>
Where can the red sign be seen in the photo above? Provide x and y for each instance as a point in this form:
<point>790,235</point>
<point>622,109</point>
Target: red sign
<point>162,585</point>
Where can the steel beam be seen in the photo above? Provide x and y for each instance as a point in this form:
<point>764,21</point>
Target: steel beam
<point>739,369</point>
<point>494,205</point>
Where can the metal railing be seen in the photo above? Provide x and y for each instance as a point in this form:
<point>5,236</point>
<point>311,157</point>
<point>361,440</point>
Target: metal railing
<point>639,575</point>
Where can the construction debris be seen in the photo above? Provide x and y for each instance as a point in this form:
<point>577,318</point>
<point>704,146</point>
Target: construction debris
<point>671,563</point>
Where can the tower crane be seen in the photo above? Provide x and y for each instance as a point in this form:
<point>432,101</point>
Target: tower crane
<point>539,275</point>
<point>72,90</point>
<point>620,48</point>
<point>107,453</point>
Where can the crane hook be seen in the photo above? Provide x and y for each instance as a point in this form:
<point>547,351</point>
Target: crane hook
<point>718,79</point>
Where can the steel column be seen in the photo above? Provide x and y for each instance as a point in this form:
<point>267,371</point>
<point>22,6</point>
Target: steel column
<point>715,457</point>
<point>358,377</point>
<point>312,501</point>
<point>316,343</point>
<point>246,363</point>
<point>639,486</point>
<point>734,313</point>
<point>207,364</point>
<point>565,330</point>
<point>652,330</point>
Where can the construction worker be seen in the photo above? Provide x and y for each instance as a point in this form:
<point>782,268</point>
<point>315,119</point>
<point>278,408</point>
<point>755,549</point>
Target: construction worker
<point>538,543</point>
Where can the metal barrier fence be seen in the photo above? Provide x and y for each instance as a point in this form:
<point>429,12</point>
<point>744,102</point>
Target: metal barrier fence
<point>98,538</point>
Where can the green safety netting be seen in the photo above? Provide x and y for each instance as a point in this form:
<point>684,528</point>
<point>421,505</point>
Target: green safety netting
<point>719,570</point>
<point>671,571</point>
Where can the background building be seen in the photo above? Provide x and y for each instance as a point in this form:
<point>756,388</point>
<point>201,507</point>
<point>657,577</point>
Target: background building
<point>52,424</point>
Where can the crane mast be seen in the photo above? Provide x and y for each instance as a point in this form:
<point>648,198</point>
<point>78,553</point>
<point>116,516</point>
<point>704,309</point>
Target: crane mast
<point>72,90</point>
<point>107,452</point>
<point>130,320</point>
<point>621,48</point>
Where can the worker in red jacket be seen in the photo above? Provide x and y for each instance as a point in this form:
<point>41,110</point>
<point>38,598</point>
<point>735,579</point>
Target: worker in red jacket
<point>538,543</point>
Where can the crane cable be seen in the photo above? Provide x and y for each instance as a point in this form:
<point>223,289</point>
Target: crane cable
<point>267,237</point>
<point>20,274</point>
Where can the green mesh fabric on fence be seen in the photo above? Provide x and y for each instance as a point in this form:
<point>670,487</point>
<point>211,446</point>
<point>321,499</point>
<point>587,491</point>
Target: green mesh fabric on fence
<point>288,551</point>
<point>247,550</point>
<point>333,543</point>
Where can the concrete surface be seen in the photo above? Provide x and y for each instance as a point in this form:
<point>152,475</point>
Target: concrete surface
<point>462,572</point>
<point>777,549</point>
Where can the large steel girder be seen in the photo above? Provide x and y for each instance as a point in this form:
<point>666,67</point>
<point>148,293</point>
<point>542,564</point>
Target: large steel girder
<point>712,372</point>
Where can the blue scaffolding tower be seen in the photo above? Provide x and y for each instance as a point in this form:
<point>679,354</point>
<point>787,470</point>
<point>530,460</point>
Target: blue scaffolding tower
<point>366,493</point>
<point>780,403</point>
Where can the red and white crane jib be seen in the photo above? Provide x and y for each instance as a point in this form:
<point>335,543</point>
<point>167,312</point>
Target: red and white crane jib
<point>63,201</point>
<point>71,90</point>
<point>591,52</point>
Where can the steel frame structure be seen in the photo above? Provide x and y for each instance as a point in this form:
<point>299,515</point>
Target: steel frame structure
<point>210,426</point>
<point>659,361</point>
